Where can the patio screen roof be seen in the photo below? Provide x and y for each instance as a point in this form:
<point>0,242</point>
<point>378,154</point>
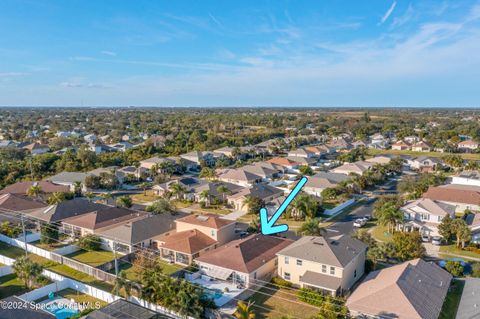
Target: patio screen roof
<point>218,273</point>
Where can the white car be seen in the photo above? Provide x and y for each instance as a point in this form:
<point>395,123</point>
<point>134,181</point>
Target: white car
<point>437,240</point>
<point>425,238</point>
<point>359,222</point>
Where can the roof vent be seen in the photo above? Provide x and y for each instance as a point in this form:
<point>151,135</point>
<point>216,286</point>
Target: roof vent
<point>202,218</point>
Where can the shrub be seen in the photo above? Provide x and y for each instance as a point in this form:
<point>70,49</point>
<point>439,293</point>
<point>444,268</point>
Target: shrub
<point>311,297</point>
<point>48,234</point>
<point>281,282</point>
<point>90,242</point>
<point>454,267</point>
<point>475,270</point>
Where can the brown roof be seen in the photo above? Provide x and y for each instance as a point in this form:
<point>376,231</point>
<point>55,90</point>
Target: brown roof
<point>21,188</point>
<point>10,202</point>
<point>455,194</point>
<point>188,241</point>
<point>282,161</point>
<point>33,146</point>
<point>247,254</point>
<point>207,220</point>
<point>401,143</point>
<point>106,216</point>
<point>411,290</point>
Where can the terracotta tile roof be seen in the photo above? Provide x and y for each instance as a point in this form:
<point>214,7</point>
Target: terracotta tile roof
<point>10,202</point>
<point>245,255</point>
<point>188,241</point>
<point>468,143</point>
<point>412,290</point>
<point>21,188</point>
<point>454,194</point>
<point>206,220</point>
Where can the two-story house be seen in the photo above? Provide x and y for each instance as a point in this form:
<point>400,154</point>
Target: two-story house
<point>425,215</point>
<point>330,265</point>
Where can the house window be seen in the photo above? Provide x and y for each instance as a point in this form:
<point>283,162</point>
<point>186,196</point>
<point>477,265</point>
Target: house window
<point>299,262</point>
<point>355,274</point>
<point>286,261</point>
<point>254,275</point>
<point>332,270</point>
<point>324,268</point>
<point>213,233</point>
<point>286,276</point>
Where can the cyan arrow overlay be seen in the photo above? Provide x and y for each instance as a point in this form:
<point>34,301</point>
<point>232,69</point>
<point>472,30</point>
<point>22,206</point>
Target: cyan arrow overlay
<point>267,226</point>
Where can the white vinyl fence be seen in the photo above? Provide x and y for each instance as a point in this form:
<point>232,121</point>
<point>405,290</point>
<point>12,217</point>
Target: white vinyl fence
<point>339,208</point>
<point>5,270</point>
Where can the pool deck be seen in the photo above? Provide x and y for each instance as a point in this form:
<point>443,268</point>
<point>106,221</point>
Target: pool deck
<point>233,291</point>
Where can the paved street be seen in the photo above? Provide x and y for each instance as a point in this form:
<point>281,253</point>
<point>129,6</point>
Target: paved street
<point>345,226</point>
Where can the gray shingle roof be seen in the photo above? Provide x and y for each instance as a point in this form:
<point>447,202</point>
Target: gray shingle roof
<point>469,307</point>
<point>335,251</point>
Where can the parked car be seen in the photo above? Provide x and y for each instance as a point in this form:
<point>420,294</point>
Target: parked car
<point>437,240</point>
<point>425,238</point>
<point>360,222</point>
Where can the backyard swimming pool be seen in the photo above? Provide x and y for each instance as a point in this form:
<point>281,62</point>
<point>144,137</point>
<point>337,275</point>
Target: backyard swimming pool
<point>213,293</point>
<point>61,311</point>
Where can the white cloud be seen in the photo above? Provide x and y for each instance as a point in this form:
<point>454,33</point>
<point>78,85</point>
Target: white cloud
<point>109,53</point>
<point>388,13</point>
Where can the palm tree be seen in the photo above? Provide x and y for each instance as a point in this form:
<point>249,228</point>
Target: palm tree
<point>204,196</point>
<point>222,189</point>
<point>144,187</point>
<point>34,191</point>
<point>177,189</point>
<point>124,201</point>
<point>105,197</point>
<point>389,215</point>
<point>89,196</point>
<point>304,206</point>
<point>56,198</point>
<point>244,310</point>
<point>121,282</point>
<point>27,270</point>
<point>311,227</point>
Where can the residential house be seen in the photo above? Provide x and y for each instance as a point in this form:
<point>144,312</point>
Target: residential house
<point>424,163</point>
<point>6,143</point>
<point>411,139</point>
<point>359,144</point>
<point>462,196</point>
<point>421,146</point>
<point>469,307</point>
<point>244,261</point>
<point>63,210</point>
<point>11,203</point>
<point>302,161</point>
<point>240,177</point>
<point>320,181</point>
<point>340,144</point>
<point>424,215</point>
<point>415,289</point>
<point>90,138</point>
<point>101,148</point>
<point>328,264</point>
<point>468,146</point>
<point>199,158</point>
<point>264,192</point>
<point>288,164</point>
<point>267,174</point>
<point>401,145</point>
<point>122,146</point>
<point>194,235</point>
<point>69,179</point>
<point>467,178</point>
<point>131,172</point>
<point>16,308</point>
<point>212,189</point>
<point>136,232</point>
<point>160,163</point>
<point>302,152</point>
<point>473,222</point>
<point>37,148</point>
<point>190,184</point>
<point>358,167</point>
<point>21,188</point>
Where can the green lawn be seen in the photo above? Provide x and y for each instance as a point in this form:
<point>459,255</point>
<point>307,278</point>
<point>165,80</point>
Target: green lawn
<point>10,285</point>
<point>276,303</point>
<point>467,156</point>
<point>181,203</point>
<point>132,270</point>
<point>450,305</point>
<point>11,251</point>
<point>452,249</point>
<point>92,258</point>
<point>49,247</point>
<point>78,297</point>
<point>143,198</point>
<point>380,233</point>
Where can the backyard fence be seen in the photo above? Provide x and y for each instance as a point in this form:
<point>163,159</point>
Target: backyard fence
<point>339,208</point>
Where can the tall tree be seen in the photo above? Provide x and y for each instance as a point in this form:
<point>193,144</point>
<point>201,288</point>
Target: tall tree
<point>311,227</point>
<point>27,271</point>
<point>244,310</point>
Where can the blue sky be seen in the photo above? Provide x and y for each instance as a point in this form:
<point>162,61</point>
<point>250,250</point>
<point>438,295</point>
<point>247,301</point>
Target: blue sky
<point>240,53</point>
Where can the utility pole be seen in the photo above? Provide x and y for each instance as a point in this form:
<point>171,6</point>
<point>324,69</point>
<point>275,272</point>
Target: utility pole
<point>116,260</point>
<point>24,235</point>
